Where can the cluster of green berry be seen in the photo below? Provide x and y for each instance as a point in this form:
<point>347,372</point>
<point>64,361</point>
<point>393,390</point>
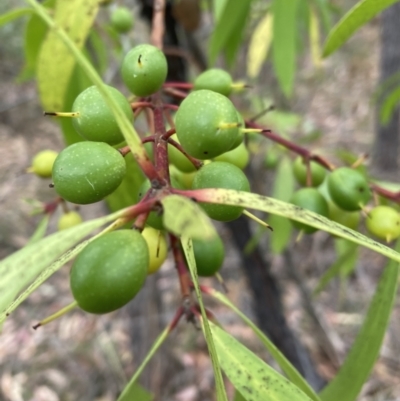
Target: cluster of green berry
<point>342,196</point>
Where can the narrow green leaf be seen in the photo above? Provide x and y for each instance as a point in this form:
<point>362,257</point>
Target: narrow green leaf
<point>55,62</point>
<point>284,43</point>
<point>14,14</point>
<point>20,268</point>
<point>182,216</point>
<point>227,25</point>
<point>129,390</point>
<point>40,231</point>
<point>354,372</point>
<point>218,8</point>
<point>274,206</point>
<point>238,396</point>
<point>100,54</point>
<point>291,372</point>
<point>346,260</point>
<point>137,392</point>
<point>255,380</point>
<point>283,189</point>
<point>392,100</point>
<point>324,12</point>
<point>359,15</point>
<point>219,383</point>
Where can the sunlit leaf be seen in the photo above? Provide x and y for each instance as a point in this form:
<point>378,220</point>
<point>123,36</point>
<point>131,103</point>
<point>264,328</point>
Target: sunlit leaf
<point>56,63</point>
<point>358,16</point>
<point>347,384</point>
<point>249,374</point>
<point>259,46</point>
<point>182,216</point>
<point>284,43</point>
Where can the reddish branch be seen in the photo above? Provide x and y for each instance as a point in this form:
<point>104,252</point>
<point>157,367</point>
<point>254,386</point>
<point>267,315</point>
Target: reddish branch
<point>180,264</point>
<point>157,31</point>
<point>196,163</point>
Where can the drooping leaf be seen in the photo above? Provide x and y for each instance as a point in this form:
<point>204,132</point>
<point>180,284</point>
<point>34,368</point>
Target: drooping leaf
<point>259,46</point>
<point>255,380</point>
<point>358,16</point>
<point>358,365</point>
<point>274,206</point>
<point>283,190</point>
<point>284,43</point>
<point>290,371</point>
<point>347,256</point>
<point>55,62</point>
<point>21,268</point>
<point>14,14</point>
<point>187,247</point>
<point>227,26</point>
<point>182,216</point>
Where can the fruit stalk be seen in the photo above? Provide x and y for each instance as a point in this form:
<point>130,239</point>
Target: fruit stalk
<point>180,264</point>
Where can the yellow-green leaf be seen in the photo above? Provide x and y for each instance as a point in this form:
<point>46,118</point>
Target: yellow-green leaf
<point>259,46</point>
<point>56,63</point>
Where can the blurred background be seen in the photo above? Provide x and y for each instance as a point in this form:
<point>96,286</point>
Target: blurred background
<point>331,109</point>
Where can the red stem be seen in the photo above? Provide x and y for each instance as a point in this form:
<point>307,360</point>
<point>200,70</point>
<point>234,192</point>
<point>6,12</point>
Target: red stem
<point>196,163</point>
<point>178,85</point>
<point>180,264</point>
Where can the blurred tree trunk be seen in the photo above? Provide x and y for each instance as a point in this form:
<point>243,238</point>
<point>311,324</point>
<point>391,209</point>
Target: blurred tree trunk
<point>386,150</point>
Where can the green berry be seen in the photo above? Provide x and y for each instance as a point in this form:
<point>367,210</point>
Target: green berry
<point>178,159</point>
<point>86,172</point>
<point>144,70</point>
<point>318,173</point>
<point>221,175</point>
<point>42,163</point>
<point>122,19</point>
<point>216,80</point>
<point>206,124</point>
<point>349,189</point>
<point>347,219</point>
<point>68,220</point>
<point>310,199</point>
<point>384,223</point>
<point>238,156</point>
<point>110,271</point>
<point>209,256</point>
<point>271,158</point>
<point>95,120</point>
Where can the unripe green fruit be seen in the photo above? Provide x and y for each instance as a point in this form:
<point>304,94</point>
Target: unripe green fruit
<point>122,20</point>
<point>158,249</point>
<point>178,159</point>
<point>384,223</point>
<point>144,70</point>
<point>318,173</point>
<point>347,219</point>
<point>216,80</point>
<point>68,220</point>
<point>209,256</point>
<point>42,163</point>
<point>238,156</point>
<point>348,189</point>
<point>221,175</point>
<point>310,199</point>
<point>206,124</point>
<point>155,219</point>
<point>271,159</point>
<point>86,172</point>
<point>96,121</point>
<point>110,271</point>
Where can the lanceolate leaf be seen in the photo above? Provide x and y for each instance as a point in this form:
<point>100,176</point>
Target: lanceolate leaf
<point>274,206</point>
<point>229,23</point>
<point>187,246</point>
<point>359,15</point>
<point>290,371</point>
<point>284,43</point>
<point>19,269</point>
<point>184,217</point>
<point>353,374</point>
<point>255,380</point>
<point>56,63</point>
